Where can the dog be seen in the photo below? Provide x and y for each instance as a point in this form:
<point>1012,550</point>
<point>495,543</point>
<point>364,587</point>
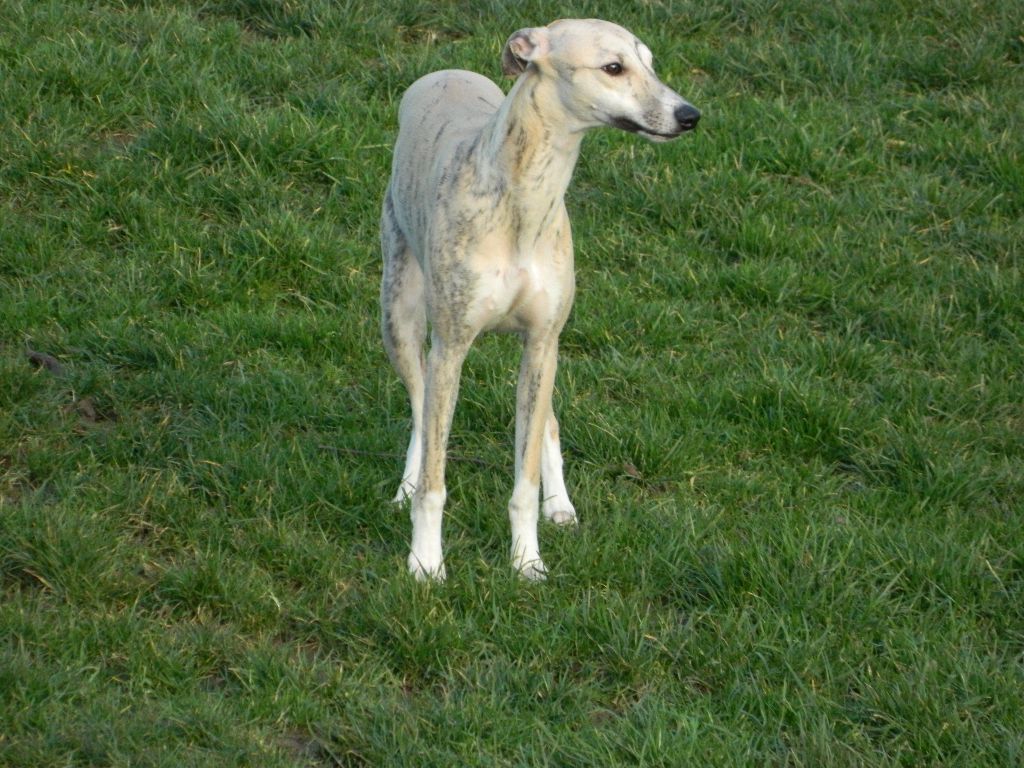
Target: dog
<point>475,237</point>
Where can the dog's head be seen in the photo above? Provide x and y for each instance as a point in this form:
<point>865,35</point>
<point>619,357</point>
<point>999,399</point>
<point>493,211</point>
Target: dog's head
<point>604,76</point>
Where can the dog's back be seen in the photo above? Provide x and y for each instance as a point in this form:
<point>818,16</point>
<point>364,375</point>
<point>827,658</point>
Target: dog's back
<point>465,99</point>
<point>440,114</point>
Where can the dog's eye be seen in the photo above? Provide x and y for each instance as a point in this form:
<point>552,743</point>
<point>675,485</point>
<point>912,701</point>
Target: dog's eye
<point>613,69</point>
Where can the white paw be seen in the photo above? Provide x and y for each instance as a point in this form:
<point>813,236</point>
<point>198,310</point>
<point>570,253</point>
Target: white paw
<point>532,570</point>
<point>560,511</point>
<point>426,571</point>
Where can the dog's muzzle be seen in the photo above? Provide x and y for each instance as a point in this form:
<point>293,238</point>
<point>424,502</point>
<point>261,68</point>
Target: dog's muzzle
<point>686,117</point>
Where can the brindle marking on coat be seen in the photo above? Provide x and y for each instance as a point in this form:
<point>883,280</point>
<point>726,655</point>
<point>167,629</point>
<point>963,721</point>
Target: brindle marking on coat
<point>476,238</point>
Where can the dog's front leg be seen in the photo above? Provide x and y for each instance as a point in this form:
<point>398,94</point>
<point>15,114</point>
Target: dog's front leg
<point>533,407</point>
<point>444,364</point>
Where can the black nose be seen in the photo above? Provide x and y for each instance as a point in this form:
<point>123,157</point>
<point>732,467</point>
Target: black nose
<point>687,116</point>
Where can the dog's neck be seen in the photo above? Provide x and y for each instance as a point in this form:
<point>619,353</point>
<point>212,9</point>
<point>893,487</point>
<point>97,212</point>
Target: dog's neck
<point>530,147</point>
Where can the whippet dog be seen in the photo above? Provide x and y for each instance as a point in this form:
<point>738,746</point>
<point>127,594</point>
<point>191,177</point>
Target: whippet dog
<point>476,238</point>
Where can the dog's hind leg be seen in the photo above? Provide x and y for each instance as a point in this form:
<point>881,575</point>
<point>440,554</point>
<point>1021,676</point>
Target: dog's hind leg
<point>556,506</point>
<point>404,328</point>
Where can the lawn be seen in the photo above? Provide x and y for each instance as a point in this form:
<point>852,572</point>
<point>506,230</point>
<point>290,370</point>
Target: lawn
<point>791,394</point>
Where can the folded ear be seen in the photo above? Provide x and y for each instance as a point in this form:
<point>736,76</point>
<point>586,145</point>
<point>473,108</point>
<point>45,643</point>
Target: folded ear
<point>524,46</point>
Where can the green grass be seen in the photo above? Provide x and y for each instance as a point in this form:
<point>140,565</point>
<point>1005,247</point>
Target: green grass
<point>792,398</point>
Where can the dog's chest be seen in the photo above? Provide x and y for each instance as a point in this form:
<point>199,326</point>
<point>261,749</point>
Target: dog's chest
<point>513,293</point>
